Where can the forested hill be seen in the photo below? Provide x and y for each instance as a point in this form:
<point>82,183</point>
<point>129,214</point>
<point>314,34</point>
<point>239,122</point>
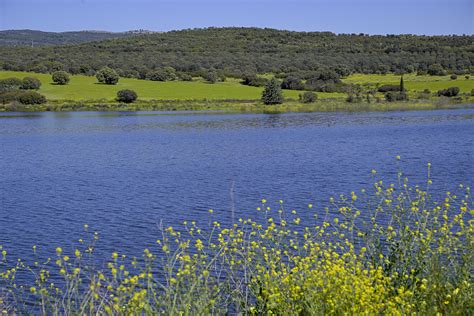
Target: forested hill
<point>39,38</point>
<point>236,51</point>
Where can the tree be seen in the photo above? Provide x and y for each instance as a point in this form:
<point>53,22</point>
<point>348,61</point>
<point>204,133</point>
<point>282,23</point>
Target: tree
<point>30,83</point>
<point>396,96</point>
<point>453,77</point>
<point>107,75</point>
<point>436,70</point>
<point>31,97</point>
<point>402,85</point>
<point>211,76</point>
<point>164,74</point>
<point>126,96</point>
<point>185,77</point>
<point>388,87</point>
<point>450,92</point>
<point>292,83</point>
<point>251,79</point>
<point>272,92</point>
<point>10,84</point>
<point>60,77</point>
<point>308,97</point>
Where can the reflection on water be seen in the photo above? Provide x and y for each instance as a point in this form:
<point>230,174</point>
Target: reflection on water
<point>124,172</point>
<point>84,122</point>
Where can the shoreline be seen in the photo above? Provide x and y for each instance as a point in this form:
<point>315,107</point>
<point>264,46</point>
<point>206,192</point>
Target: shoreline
<point>239,106</point>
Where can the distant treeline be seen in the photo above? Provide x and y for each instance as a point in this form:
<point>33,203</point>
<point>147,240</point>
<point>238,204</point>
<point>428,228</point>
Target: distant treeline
<point>242,52</point>
<point>40,38</point>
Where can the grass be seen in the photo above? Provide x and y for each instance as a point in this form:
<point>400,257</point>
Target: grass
<point>84,93</point>
<point>82,88</point>
<point>390,250</point>
<point>414,82</point>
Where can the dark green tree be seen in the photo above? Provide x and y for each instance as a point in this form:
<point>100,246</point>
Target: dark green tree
<point>31,97</point>
<point>272,93</point>
<point>308,97</point>
<point>402,85</point>
<point>60,77</point>
<point>436,70</point>
<point>450,92</point>
<point>292,83</point>
<point>107,75</point>
<point>211,76</point>
<point>126,96</point>
<point>30,83</point>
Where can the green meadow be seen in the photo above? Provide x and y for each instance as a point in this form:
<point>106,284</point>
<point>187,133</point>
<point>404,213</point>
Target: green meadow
<point>413,82</point>
<point>86,88</point>
<point>85,93</point>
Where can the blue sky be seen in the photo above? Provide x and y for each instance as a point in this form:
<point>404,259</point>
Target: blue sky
<point>340,16</point>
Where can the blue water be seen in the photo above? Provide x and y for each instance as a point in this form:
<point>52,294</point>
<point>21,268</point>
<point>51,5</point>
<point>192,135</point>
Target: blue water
<point>123,173</point>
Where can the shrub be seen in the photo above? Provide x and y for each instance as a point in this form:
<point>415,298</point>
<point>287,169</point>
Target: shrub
<point>436,70</point>
<point>126,96</point>
<point>354,98</point>
<point>10,84</point>
<point>9,96</point>
<point>164,74</point>
<point>453,77</point>
<point>185,77</point>
<point>30,83</point>
<point>272,93</point>
<point>31,97</point>
<point>388,87</point>
<point>292,83</point>
<point>253,80</point>
<point>467,77</point>
<point>107,75</point>
<point>60,77</point>
<point>450,92</point>
<point>211,76</point>
<point>308,97</point>
<point>396,96</point>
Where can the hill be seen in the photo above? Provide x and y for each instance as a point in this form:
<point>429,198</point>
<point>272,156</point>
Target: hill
<point>39,38</point>
<point>236,51</point>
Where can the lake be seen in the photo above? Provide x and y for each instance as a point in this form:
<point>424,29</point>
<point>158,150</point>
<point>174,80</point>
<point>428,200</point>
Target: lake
<point>123,173</point>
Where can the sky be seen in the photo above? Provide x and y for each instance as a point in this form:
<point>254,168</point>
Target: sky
<point>429,17</point>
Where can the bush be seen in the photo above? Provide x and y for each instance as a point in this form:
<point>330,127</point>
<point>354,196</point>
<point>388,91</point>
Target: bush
<point>164,74</point>
<point>107,75</point>
<point>10,84</point>
<point>453,77</point>
<point>9,96</point>
<point>60,77</point>
<point>211,76</point>
<point>436,70</point>
<point>354,98</point>
<point>388,87</point>
<point>272,93</point>
<point>292,83</point>
<point>126,96</point>
<point>30,83</point>
<point>185,77</point>
<point>450,92</point>
<point>253,80</point>
<point>308,97</point>
<point>396,96</point>
<point>467,77</point>
<point>31,97</point>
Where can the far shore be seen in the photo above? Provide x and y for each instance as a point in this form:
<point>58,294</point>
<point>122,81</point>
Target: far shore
<point>241,106</point>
